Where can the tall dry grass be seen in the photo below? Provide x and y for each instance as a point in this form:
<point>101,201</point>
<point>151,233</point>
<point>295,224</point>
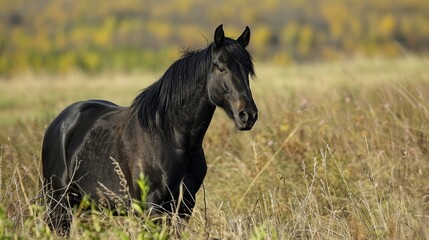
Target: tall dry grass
<point>340,152</point>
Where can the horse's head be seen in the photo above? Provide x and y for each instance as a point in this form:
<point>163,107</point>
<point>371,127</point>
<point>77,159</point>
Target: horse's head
<point>228,80</point>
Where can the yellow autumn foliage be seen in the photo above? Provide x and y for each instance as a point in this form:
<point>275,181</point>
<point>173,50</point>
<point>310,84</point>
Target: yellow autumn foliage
<point>138,34</point>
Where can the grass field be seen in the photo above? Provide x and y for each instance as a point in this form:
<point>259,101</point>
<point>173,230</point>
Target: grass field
<point>341,151</point>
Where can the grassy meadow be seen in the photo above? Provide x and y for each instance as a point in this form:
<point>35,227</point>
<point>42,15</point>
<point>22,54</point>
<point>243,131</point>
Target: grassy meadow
<point>340,151</point>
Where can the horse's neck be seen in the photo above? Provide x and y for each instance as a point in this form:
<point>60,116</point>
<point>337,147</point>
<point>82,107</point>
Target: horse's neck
<point>192,122</point>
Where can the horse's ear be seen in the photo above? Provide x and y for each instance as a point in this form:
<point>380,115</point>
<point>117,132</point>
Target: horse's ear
<point>219,36</point>
<point>244,39</point>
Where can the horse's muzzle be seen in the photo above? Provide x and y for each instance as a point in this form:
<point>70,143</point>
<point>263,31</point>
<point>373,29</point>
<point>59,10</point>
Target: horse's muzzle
<point>245,119</point>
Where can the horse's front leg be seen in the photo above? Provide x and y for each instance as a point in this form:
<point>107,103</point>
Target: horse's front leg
<point>193,180</point>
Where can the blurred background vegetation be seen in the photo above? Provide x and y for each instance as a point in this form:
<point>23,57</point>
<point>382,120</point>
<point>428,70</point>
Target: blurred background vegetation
<point>59,36</point>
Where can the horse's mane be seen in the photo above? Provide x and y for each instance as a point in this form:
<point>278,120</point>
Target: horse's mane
<point>179,83</point>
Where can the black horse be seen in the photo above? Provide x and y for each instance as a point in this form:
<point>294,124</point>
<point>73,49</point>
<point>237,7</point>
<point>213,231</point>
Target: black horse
<point>98,149</point>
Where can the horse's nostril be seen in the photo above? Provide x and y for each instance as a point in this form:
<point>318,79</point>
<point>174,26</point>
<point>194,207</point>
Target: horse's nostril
<point>243,115</point>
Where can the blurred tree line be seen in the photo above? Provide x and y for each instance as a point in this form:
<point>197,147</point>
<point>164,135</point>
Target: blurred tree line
<point>62,35</point>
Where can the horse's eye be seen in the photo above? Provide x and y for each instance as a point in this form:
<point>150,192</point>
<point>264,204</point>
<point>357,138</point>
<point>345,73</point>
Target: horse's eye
<point>222,70</point>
